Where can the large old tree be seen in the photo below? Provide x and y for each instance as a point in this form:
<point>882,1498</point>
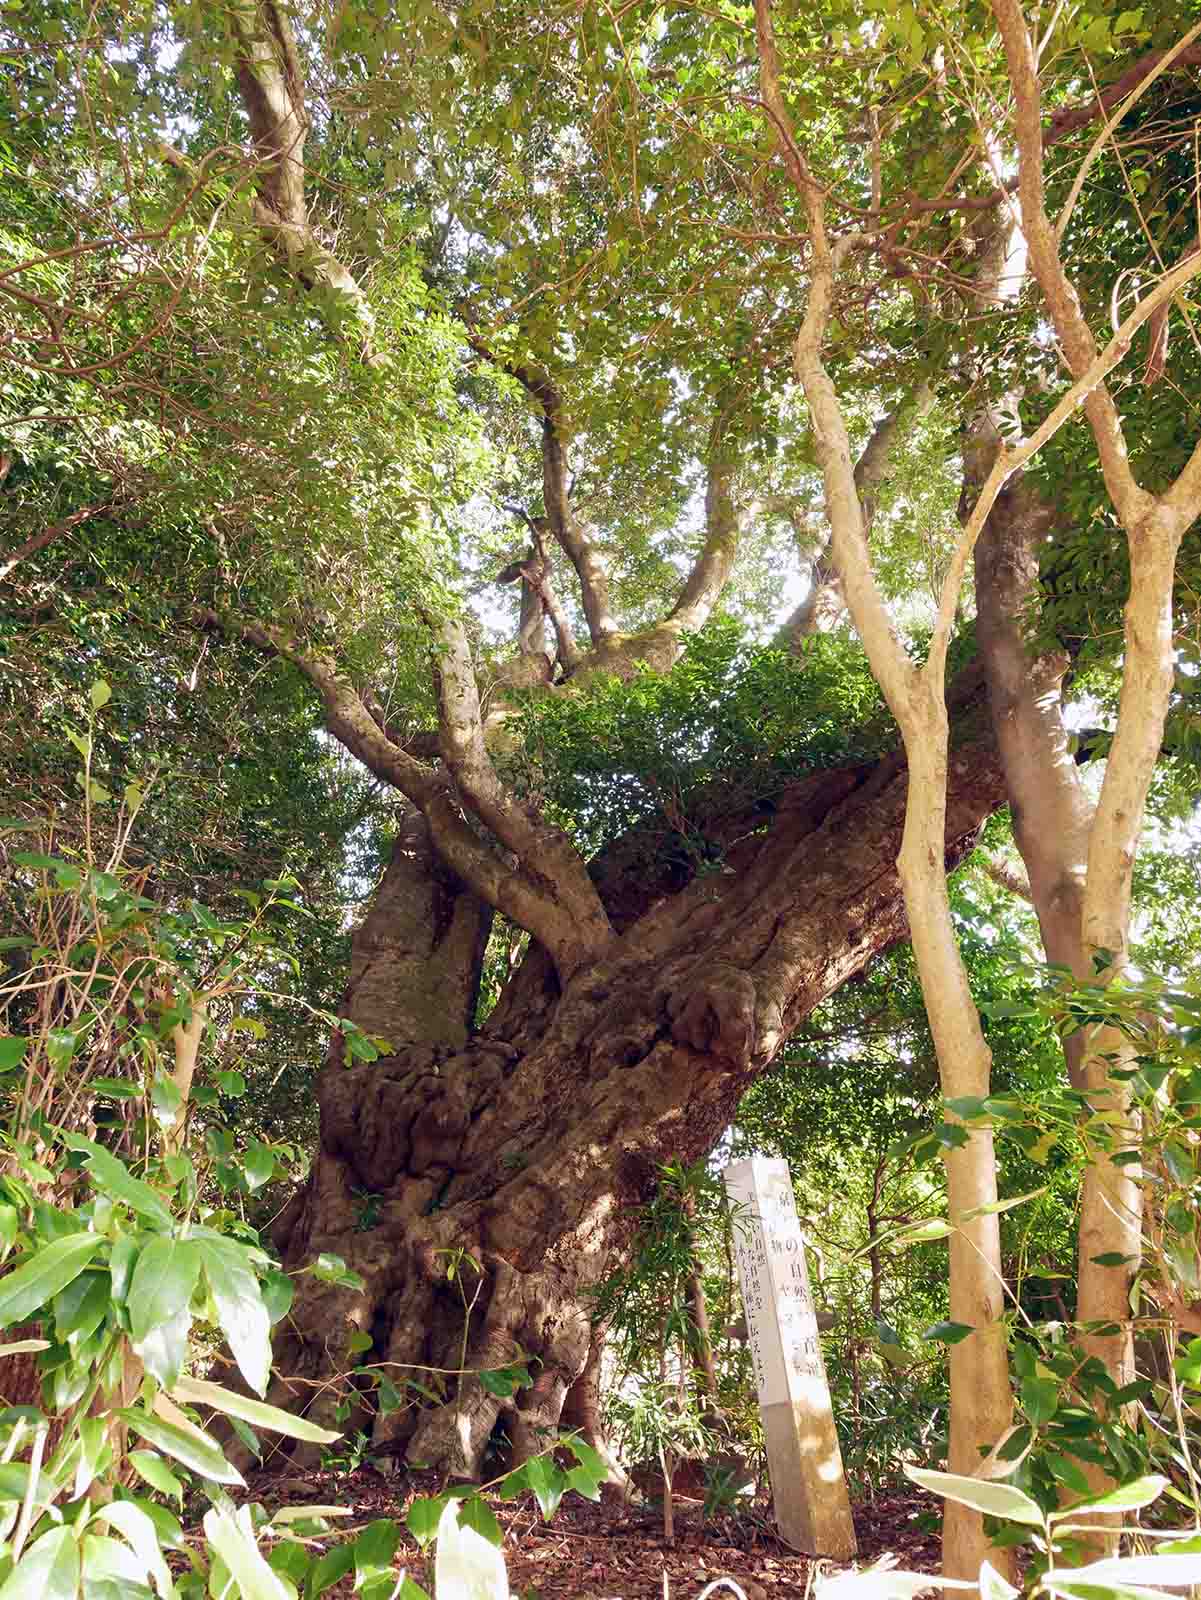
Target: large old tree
<point>378,339</point>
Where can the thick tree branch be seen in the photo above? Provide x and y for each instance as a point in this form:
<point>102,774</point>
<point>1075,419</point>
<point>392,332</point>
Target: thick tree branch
<point>872,470</point>
<point>566,528</point>
<point>712,568</point>
<point>348,719</point>
<point>47,536</point>
<point>272,89</point>
<point>1059,294</point>
<point>544,852</point>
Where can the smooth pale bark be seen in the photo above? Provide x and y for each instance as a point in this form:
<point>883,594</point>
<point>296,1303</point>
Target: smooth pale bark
<point>981,1404</point>
<point>1154,525</point>
<point>185,1039</point>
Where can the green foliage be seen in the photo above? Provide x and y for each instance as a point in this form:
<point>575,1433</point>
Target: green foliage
<point>722,733</point>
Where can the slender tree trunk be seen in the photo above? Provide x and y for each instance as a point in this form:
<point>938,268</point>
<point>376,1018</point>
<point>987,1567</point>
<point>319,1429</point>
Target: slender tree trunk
<point>1053,821</point>
<point>981,1403</point>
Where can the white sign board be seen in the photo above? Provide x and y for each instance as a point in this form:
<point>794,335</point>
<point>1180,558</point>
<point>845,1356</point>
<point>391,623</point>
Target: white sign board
<point>781,1322</point>
<point>808,1487</point>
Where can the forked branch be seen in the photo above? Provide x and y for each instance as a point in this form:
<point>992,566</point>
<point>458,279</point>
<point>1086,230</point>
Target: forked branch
<point>529,901</point>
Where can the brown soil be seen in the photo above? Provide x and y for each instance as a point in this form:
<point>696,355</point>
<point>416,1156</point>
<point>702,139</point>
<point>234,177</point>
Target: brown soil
<point>617,1552</point>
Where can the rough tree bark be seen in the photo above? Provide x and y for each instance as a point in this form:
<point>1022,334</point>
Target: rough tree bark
<point>527,1144</point>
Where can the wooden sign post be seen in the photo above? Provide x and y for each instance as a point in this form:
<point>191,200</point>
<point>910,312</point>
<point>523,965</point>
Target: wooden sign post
<point>813,1511</point>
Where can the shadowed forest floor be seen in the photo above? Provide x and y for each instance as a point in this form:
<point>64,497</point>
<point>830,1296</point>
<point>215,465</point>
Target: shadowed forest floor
<point>606,1551</point>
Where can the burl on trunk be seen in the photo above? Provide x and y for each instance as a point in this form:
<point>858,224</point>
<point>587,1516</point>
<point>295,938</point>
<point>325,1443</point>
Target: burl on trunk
<point>481,1182</point>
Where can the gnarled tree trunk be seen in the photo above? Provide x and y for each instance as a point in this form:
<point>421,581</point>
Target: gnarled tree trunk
<point>482,1185</point>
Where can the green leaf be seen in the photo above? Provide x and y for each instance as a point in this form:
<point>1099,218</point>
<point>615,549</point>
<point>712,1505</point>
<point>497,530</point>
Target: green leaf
<point>12,1053</point>
<point>199,1392</point>
<point>1127,1497</point>
<point>1040,1399</point>
<point>80,1308</point>
<point>278,1292</point>
<point>233,1539</point>
<point>374,1548</point>
<point>115,1088</point>
<point>140,1533</point>
<point>240,1309</point>
<point>323,1574</point>
<point>29,1288</point>
<point>100,694</point>
<point>966,1106</point>
<point>474,1512</point>
<point>1111,1258</point>
<point>163,1283</point>
<point>259,1166</point>
<point>154,1470</point>
<point>1064,1470</point>
<point>423,1517</point>
<point>994,1499</point>
<point>48,1570</point>
<point>166,1100</point>
<point>995,1206</point>
<point>948,1332</point>
<point>547,1482</point>
<point>114,1178</point>
<point>191,1446</point>
<point>504,1381</point>
<point>164,1347</point>
<point>121,1263</point>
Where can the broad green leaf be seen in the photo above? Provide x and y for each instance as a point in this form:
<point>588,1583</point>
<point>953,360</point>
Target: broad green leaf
<point>115,1088</point>
<point>12,1053</point>
<point>140,1533</point>
<point>167,1525</point>
<point>164,1347</point>
<point>240,1309</point>
<point>14,1484</point>
<point>547,1483</point>
<point>48,1569</point>
<point>95,1454</point>
<point>192,1447</point>
<point>29,1288</point>
<point>100,694</point>
<point>1128,1497</point>
<point>335,1564</point>
<point>233,1540</point>
<point>163,1283</point>
<point>475,1512</point>
<point>259,1166</point>
<point>114,1178</point>
<point>374,1549</point>
<point>22,1347</point>
<point>948,1332</point>
<point>198,1392</point>
<point>423,1517</point>
<point>111,1561</point>
<point>1040,1399</point>
<point>121,1263</point>
<point>278,1293</point>
<point>80,1308</point>
<point>154,1470</point>
<point>994,1499</point>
